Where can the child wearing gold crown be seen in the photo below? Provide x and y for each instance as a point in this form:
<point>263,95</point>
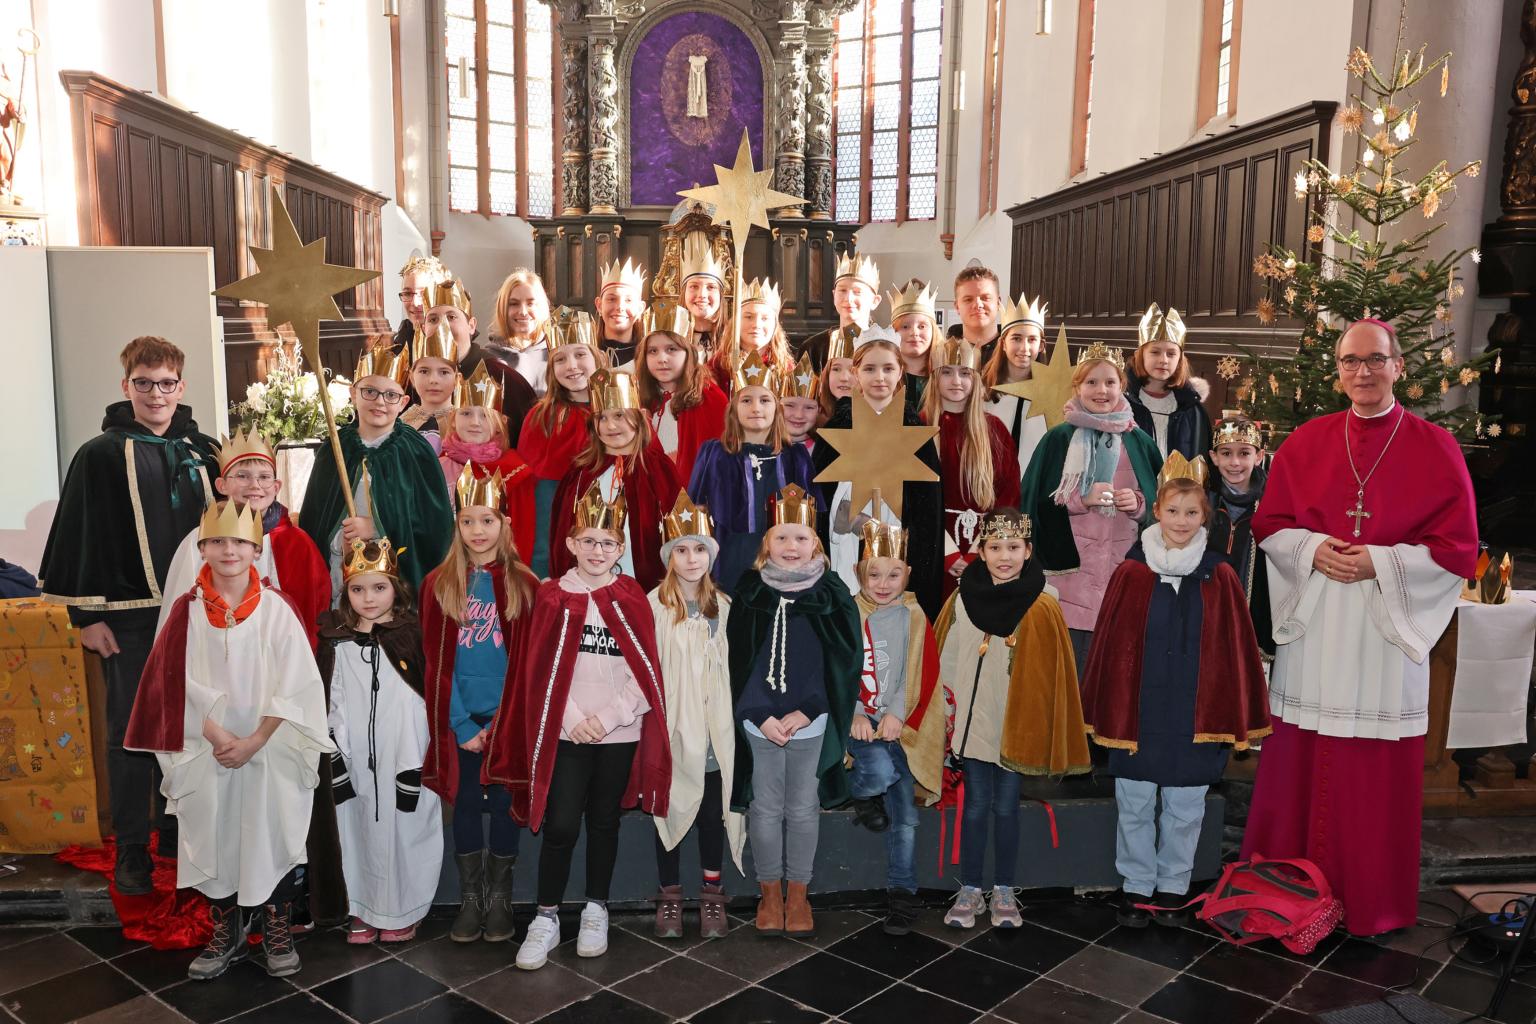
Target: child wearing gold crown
<point>434,378</point>
<point>704,280</point>
<point>450,316</point>
<point>690,615</point>
<point>475,435</point>
<point>979,468</point>
<point>1182,683</point>
<point>793,638</point>
<point>1237,452</point>
<point>555,429</point>
<point>800,404</point>
<point>916,324</point>
<point>836,376</point>
<point>897,737</point>
<point>233,707</point>
<point>391,829</point>
<point>678,393</point>
<point>1086,490</point>
<point>737,476</point>
<point>400,495</point>
<point>761,332</point>
<point>622,456</point>
<point>1022,336</point>
<point>1165,398</point>
<point>1006,664</point>
<point>855,296</point>
<point>475,609</point>
<point>582,735</point>
<point>620,303</point>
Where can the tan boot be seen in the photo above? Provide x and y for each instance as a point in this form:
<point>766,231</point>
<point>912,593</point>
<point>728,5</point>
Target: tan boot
<point>770,910</point>
<point>797,912</point>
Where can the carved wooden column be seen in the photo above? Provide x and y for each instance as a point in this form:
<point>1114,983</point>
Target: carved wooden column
<point>818,113</point>
<point>573,146</point>
<point>790,122</point>
<point>603,94</point>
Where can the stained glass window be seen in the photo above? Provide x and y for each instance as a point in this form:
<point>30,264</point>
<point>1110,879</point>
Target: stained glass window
<point>887,71</point>
<point>501,145</point>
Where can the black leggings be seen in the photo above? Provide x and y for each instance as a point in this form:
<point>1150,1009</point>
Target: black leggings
<point>588,780</point>
<point>710,826</point>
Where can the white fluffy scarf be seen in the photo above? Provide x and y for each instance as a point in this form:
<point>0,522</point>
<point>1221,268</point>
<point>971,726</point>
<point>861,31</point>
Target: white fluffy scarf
<point>1172,565</point>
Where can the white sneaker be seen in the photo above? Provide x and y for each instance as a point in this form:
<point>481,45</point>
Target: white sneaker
<point>968,903</point>
<point>592,940</point>
<point>543,937</point>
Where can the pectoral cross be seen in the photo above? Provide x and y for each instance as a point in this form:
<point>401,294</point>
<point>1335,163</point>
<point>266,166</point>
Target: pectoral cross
<point>1358,512</point>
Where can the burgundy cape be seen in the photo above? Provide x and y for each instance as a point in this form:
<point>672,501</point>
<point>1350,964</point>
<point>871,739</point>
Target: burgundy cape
<point>650,489</point>
<point>305,577</point>
<point>440,645</point>
<point>1231,699</point>
<point>695,425</point>
<point>526,733</point>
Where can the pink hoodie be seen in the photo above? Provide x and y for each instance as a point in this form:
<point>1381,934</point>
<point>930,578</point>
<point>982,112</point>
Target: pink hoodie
<point>601,683</point>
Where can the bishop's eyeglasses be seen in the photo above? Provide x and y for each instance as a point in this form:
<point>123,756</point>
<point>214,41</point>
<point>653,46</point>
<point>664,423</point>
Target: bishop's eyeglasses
<point>1352,364</point>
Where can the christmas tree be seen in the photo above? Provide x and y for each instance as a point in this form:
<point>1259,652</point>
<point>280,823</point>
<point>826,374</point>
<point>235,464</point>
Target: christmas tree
<point>1378,264</point>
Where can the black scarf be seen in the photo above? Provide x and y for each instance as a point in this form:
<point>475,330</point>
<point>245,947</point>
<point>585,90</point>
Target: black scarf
<point>998,608</point>
<point>1242,502</point>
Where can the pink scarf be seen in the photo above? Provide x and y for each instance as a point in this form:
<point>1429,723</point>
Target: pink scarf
<point>485,452</point>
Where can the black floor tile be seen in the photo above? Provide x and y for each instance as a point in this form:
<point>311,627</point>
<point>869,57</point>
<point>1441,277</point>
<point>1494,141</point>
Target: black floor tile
<point>1045,1002</point>
<point>451,1008</point>
<point>1176,948</point>
<point>627,955</point>
<point>971,978</point>
<point>1283,1015</point>
<point>1378,965</point>
<point>16,936</point>
<point>1247,970</point>
<point>750,956</point>
<point>757,1006</point>
<point>40,959</point>
<point>1186,1000</point>
<point>1086,919</point>
<point>105,941</point>
<point>295,1009</point>
<point>456,964</point>
<point>528,995</point>
<point>680,987</point>
<point>156,969</point>
<point>905,1003</point>
<point>380,990</point>
<point>893,955</point>
<point>833,926</point>
<point>607,1007</point>
<point>144,1009</point>
<point>243,986</point>
<point>1119,977</point>
<point>1030,947</point>
<point>828,983</point>
<point>71,996</point>
<point>327,955</point>
<point>1469,990</point>
<point>1321,991</point>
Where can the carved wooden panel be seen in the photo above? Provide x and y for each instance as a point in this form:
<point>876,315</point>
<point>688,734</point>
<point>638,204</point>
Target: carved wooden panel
<point>150,173</point>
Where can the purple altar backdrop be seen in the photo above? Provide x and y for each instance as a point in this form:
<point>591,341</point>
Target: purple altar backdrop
<point>669,149</point>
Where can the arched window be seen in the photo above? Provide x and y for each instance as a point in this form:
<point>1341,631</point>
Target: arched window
<point>501,71</point>
<point>886,76</point>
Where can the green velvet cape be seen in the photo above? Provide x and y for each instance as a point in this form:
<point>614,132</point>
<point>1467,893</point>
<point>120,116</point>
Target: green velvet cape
<point>1053,541</point>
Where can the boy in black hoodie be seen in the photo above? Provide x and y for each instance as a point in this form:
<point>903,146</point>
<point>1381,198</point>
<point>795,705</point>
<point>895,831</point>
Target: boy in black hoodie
<point>1237,452</point>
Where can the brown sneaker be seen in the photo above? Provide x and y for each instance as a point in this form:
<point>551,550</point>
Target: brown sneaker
<point>770,909</point>
<point>712,920</point>
<point>669,912</point>
<point>797,911</point>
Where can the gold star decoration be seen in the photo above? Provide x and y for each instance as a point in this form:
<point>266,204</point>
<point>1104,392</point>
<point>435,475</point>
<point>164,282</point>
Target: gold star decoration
<point>878,453</point>
<point>742,196</point>
<point>1049,385</point>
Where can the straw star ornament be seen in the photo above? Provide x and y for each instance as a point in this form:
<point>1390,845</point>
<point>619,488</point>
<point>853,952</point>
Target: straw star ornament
<point>877,455</point>
<point>1050,384</point>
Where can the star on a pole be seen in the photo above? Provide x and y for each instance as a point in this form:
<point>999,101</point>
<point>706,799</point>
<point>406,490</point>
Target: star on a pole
<point>1050,384</point>
<point>878,453</point>
<point>741,195</point>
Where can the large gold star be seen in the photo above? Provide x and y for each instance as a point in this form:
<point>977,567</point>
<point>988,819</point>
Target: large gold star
<point>879,453</point>
<point>742,196</point>
<point>1049,385</point>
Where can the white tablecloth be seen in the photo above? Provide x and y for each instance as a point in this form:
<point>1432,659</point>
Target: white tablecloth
<point>1493,672</point>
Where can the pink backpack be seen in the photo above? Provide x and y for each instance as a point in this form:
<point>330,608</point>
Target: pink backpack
<point>1289,900</point>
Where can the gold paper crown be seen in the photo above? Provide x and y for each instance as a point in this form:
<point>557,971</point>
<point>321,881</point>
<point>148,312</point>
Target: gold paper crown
<point>1159,326</point>
<point>1177,467</point>
<point>666,316</point>
<point>448,292</point>
<point>613,389</point>
<point>762,290</point>
<point>571,327</point>
<point>480,491</point>
<point>1237,431</point>
<point>860,268</point>
<point>383,361</point>
<point>1005,526</point>
<point>913,300</point>
<point>752,372</point>
<point>883,540</point>
<point>1099,350</point>
<point>377,555</point>
<point>1025,311</point>
<point>686,520</point>
<point>802,382</point>
<point>840,343</point>
<point>1491,584</point>
<point>230,519</point>
<point>699,261</point>
<point>956,352</point>
<point>437,345</point>
<point>625,275</point>
<point>244,446</point>
<point>793,506</point>
<point>481,389</point>
<point>592,512</point>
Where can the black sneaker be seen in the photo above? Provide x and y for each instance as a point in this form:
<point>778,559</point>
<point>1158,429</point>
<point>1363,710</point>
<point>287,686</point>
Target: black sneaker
<point>870,813</point>
<point>901,910</point>
<point>1129,912</point>
<point>134,872</point>
<point>1171,911</point>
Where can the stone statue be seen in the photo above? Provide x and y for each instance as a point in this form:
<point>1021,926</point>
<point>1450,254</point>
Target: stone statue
<point>698,91</point>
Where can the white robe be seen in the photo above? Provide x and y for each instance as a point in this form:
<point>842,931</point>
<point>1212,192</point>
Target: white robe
<point>697,684</point>
<point>390,857</point>
<point>1027,429</point>
<point>1352,659</point>
<point>187,562</point>
<point>241,830</point>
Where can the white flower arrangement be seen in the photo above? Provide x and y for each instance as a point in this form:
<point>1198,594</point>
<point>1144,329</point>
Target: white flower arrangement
<point>287,407</point>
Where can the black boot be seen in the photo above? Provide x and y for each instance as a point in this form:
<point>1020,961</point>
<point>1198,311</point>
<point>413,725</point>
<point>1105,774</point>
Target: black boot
<point>498,911</point>
<point>134,872</point>
<point>870,813</point>
<point>901,910</point>
<point>470,923</point>
<point>277,940</point>
<point>226,946</point>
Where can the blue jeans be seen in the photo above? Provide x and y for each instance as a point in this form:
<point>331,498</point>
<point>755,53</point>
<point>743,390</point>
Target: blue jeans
<point>474,800</point>
<point>991,800</point>
<point>880,767</point>
<point>1156,851</point>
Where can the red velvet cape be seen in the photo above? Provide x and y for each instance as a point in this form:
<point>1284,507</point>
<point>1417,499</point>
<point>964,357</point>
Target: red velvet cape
<point>549,455</point>
<point>440,647</point>
<point>649,493</point>
<point>526,733</point>
<point>305,578</point>
<point>695,425</point>
<point>1231,700</point>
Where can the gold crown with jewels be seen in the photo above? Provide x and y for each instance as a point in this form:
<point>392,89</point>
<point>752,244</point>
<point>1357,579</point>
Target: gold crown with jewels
<point>882,540</point>
<point>1238,430</point>
<point>230,519</point>
<point>1005,524</point>
<point>383,361</point>
<point>792,506</point>
<point>801,382</point>
<point>377,555</point>
<point>913,299</point>
<point>861,268</point>
<point>1097,351</point>
<point>628,274</point>
<point>1157,325</point>
<point>686,520</point>
<point>244,446</point>
<point>1025,311</point>
<point>480,491</point>
<point>592,512</point>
